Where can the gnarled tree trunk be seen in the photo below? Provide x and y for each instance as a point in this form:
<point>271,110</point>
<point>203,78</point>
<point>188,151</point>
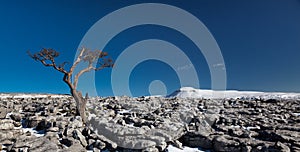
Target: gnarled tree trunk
<point>47,58</point>
<point>80,104</point>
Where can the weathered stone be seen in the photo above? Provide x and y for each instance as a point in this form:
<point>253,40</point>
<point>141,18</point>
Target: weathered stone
<point>52,109</point>
<point>53,129</point>
<point>6,124</point>
<point>259,148</point>
<point>282,147</point>
<point>178,144</point>
<point>76,147</point>
<point>9,134</point>
<point>42,125</point>
<point>110,143</point>
<point>99,144</point>
<point>224,143</point>
<point>3,112</point>
<point>246,148</point>
<point>186,117</point>
<point>9,147</point>
<point>53,137</point>
<point>162,146</point>
<point>150,149</point>
<point>36,144</point>
<point>193,139</point>
<point>78,135</point>
<point>91,141</point>
<point>17,124</point>
<point>96,150</point>
<point>211,118</point>
<point>31,122</point>
<point>66,142</point>
<point>287,135</point>
<point>6,142</point>
<point>68,132</point>
<point>237,132</point>
<point>77,122</point>
<point>16,117</point>
<point>148,123</point>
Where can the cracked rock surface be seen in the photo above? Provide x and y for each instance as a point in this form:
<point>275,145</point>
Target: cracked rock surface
<point>149,124</point>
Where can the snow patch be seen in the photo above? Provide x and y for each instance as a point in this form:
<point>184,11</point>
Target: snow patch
<point>33,132</point>
<point>26,96</point>
<point>189,92</point>
<point>171,148</point>
<point>297,114</point>
<point>251,128</point>
<point>124,112</point>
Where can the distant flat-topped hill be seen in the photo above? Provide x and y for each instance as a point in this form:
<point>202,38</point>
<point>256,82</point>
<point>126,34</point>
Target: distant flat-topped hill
<point>189,92</point>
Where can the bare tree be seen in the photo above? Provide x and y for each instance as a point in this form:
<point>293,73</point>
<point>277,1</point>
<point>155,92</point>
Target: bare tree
<point>47,58</point>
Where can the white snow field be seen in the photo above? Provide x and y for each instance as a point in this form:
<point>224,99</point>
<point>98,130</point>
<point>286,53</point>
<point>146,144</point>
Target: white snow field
<point>189,92</point>
<point>29,95</point>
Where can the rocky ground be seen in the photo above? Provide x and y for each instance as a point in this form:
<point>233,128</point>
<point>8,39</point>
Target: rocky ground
<point>149,124</point>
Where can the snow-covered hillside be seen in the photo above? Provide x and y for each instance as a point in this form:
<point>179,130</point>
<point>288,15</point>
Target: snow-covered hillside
<point>189,92</point>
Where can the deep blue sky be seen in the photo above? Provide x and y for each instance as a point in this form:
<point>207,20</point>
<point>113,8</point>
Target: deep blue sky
<point>259,40</point>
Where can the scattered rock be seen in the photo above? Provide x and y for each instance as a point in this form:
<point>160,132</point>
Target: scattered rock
<point>99,144</point>
<point>36,144</point>
<point>6,124</point>
<point>10,134</point>
<point>3,112</point>
<point>77,135</point>
<point>192,139</point>
<point>16,117</point>
<point>282,147</point>
<point>66,142</point>
<point>225,143</point>
<point>76,147</point>
<point>150,124</point>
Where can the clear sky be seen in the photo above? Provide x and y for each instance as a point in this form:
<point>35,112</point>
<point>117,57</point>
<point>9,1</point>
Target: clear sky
<point>259,40</point>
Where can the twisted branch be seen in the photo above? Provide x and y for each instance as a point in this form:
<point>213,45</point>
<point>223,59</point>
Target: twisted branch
<point>47,58</point>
